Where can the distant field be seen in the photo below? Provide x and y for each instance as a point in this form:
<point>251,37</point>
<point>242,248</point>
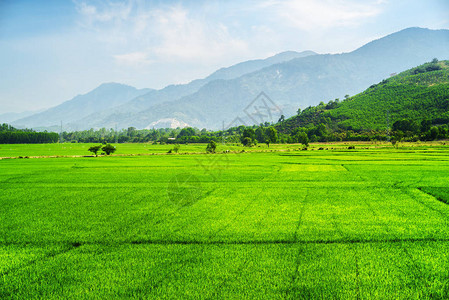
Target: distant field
<point>345,224</point>
<point>81,149</point>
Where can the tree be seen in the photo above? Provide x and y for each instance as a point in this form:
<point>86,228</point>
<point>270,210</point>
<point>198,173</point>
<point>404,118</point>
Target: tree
<point>95,149</point>
<point>302,138</point>
<point>405,126</point>
<point>248,137</point>
<point>246,141</point>
<point>281,119</point>
<point>260,134</point>
<point>434,133</point>
<point>131,131</point>
<point>188,131</point>
<point>271,135</point>
<point>176,148</point>
<point>397,138</point>
<point>425,125</point>
<point>108,149</point>
<point>211,147</point>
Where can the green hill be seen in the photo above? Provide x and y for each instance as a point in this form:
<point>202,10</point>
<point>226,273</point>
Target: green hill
<point>418,94</point>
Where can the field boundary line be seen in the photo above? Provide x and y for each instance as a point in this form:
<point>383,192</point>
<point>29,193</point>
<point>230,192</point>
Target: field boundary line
<point>71,246</point>
<point>300,251</point>
<point>236,242</point>
<point>346,168</point>
<point>304,202</point>
<point>445,216</point>
<point>436,197</point>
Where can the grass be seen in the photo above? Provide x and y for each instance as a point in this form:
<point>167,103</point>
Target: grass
<point>75,149</point>
<point>343,224</point>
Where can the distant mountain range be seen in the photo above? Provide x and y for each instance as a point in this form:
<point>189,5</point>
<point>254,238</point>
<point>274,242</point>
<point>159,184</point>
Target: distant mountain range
<point>107,95</point>
<point>10,117</point>
<point>291,80</point>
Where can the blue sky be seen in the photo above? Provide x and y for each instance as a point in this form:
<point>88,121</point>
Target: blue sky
<point>52,50</point>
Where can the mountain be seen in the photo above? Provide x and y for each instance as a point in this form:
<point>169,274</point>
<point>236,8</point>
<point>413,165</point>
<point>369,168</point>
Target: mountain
<point>299,82</point>
<point>129,110</point>
<point>418,94</point>
<point>106,95</point>
<point>11,117</point>
<point>254,65</point>
<point>175,92</point>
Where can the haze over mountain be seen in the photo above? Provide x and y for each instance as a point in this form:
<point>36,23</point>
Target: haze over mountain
<point>291,80</point>
<point>10,117</point>
<point>105,96</point>
<point>175,92</point>
<point>75,116</point>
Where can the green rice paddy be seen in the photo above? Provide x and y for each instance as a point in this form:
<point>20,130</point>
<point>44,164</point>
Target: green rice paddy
<point>332,224</point>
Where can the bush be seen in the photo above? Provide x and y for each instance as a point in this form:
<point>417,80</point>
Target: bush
<point>211,147</point>
<point>246,141</point>
<point>176,148</point>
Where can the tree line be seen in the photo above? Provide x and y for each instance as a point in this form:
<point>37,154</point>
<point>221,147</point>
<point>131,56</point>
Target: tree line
<point>11,135</point>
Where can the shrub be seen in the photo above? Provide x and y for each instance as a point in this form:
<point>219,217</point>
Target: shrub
<point>211,147</point>
<point>176,148</point>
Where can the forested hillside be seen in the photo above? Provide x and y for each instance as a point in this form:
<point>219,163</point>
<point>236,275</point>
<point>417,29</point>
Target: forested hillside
<point>417,95</point>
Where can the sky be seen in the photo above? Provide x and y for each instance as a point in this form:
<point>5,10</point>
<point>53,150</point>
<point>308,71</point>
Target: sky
<point>53,50</point>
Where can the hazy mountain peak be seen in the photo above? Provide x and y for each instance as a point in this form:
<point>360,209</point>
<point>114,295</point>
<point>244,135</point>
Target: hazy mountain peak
<point>410,39</point>
<point>104,96</point>
<point>250,66</point>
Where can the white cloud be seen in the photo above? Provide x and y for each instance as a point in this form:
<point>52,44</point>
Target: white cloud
<point>188,38</point>
<point>111,11</point>
<point>324,14</point>
<point>172,33</point>
<point>86,9</point>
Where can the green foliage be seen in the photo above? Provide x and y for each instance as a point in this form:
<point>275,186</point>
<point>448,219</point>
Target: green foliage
<point>301,137</point>
<point>108,149</point>
<point>176,148</point>
<point>211,147</point>
<point>260,134</point>
<point>186,132</point>
<point>411,97</point>
<point>95,149</point>
<point>248,137</point>
<point>271,135</point>
<point>11,135</point>
<point>246,141</point>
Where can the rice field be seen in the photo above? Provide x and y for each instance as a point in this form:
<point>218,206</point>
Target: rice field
<point>369,223</point>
